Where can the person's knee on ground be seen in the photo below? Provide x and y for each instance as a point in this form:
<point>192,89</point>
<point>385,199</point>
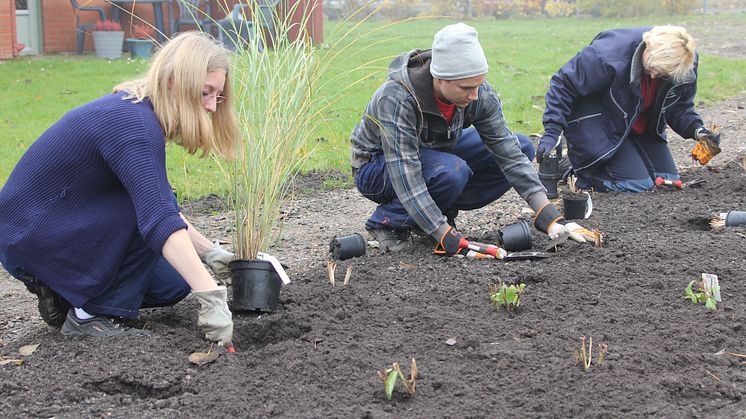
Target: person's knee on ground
<point>601,184</point>
<point>527,147</point>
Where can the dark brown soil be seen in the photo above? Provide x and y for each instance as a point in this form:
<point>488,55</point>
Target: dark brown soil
<point>318,354</point>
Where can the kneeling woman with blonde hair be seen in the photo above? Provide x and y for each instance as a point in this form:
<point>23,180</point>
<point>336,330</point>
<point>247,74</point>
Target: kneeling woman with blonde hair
<point>88,219</point>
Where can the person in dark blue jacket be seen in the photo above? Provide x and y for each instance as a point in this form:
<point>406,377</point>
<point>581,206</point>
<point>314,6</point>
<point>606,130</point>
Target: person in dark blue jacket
<point>88,219</point>
<point>613,101</point>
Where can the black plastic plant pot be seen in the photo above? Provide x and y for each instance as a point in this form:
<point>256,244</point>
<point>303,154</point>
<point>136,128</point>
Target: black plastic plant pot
<point>576,207</point>
<point>515,237</point>
<point>549,175</point>
<point>256,285</point>
<point>735,218</point>
<point>347,247</point>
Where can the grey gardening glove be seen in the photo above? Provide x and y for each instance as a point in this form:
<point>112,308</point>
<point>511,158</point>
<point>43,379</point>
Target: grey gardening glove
<point>215,319</point>
<point>217,258</point>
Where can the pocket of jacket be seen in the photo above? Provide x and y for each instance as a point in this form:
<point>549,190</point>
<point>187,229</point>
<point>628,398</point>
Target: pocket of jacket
<point>584,117</point>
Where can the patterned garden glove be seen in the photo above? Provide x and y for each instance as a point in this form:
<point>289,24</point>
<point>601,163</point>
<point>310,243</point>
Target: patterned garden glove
<point>704,133</point>
<point>215,319</point>
<point>449,243</point>
<point>217,258</point>
<point>574,230</point>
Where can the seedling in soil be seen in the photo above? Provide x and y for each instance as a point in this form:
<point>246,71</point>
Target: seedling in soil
<point>390,375</point>
<point>508,296</point>
<point>584,356</point>
<point>331,266</point>
<point>704,293</point>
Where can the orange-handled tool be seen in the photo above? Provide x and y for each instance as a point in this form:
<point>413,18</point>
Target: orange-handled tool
<point>675,183</point>
<point>487,249</point>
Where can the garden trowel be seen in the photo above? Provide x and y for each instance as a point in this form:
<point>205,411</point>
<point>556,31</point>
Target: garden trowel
<point>561,239</point>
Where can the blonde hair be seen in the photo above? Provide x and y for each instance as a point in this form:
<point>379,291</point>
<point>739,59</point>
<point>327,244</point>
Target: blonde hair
<point>670,51</point>
<point>174,83</point>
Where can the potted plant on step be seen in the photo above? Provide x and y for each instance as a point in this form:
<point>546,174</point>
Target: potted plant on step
<point>108,39</point>
<point>141,41</point>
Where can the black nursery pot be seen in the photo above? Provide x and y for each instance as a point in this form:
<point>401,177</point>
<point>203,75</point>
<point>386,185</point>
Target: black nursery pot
<point>549,175</point>
<point>515,237</point>
<point>347,247</point>
<point>735,218</point>
<point>256,285</point>
<point>575,207</point>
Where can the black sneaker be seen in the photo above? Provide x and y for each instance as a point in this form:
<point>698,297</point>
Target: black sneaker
<point>451,217</point>
<point>390,240</point>
<point>52,306</point>
<point>97,326</point>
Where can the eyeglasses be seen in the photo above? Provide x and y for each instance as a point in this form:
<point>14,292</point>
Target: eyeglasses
<point>206,96</point>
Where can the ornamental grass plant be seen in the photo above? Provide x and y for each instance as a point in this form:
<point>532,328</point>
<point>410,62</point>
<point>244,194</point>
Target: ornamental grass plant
<point>282,95</point>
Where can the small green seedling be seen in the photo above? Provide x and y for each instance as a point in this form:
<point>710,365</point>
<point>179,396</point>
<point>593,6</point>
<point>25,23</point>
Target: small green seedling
<point>508,296</point>
<point>703,294</point>
<point>584,356</point>
<point>390,375</point>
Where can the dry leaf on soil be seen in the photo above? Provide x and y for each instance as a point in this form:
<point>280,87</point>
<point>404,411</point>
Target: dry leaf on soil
<point>27,350</point>
<point>202,358</point>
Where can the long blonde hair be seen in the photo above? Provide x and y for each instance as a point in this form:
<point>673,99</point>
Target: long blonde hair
<point>174,83</point>
<point>670,51</point>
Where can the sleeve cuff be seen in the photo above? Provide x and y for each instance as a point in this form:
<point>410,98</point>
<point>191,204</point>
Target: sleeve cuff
<point>546,217</point>
<point>163,231</point>
<point>691,130</point>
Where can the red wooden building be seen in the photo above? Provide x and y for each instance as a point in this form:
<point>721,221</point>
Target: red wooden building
<point>46,26</point>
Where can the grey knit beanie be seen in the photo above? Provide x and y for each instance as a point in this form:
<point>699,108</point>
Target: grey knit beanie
<point>457,53</point>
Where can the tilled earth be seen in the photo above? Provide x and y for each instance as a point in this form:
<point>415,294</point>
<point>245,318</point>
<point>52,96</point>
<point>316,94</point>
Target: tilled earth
<point>318,354</point>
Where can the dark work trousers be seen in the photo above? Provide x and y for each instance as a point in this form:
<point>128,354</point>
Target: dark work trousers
<point>462,178</point>
<point>633,167</point>
<point>144,280</point>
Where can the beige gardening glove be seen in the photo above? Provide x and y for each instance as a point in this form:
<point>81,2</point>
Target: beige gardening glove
<point>215,319</point>
<point>217,258</point>
<point>574,230</point>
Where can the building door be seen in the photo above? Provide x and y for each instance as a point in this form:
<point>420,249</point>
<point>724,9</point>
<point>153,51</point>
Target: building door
<point>28,26</point>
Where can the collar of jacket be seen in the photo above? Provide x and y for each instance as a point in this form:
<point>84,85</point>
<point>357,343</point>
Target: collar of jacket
<point>417,68</point>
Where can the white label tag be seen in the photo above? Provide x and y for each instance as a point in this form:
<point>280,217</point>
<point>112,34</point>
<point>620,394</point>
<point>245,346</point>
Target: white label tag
<point>275,264</point>
<point>712,283</point>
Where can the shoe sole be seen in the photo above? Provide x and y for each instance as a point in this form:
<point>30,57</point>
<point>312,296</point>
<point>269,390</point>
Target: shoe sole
<point>52,307</point>
<point>72,328</point>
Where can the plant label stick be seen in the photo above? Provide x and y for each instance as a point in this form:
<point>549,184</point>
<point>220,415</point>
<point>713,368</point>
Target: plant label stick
<point>276,264</point>
<point>712,283</point>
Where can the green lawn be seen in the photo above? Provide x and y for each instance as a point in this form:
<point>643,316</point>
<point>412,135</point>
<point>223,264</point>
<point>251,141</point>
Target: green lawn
<point>523,54</point>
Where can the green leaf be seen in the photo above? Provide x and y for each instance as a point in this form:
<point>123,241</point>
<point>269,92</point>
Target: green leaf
<point>390,382</point>
<point>711,304</point>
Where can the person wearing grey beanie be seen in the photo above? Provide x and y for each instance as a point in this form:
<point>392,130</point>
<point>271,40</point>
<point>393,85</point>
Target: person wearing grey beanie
<point>433,141</point>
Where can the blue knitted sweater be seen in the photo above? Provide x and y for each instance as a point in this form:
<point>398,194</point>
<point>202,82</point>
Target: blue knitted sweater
<point>82,191</point>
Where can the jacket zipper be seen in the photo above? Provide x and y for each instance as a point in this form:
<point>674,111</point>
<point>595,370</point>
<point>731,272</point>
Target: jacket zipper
<point>584,117</point>
<point>663,108</point>
<point>613,99</point>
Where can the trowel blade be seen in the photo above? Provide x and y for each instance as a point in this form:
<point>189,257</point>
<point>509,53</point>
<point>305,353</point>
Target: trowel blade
<point>526,256</point>
<point>557,241</point>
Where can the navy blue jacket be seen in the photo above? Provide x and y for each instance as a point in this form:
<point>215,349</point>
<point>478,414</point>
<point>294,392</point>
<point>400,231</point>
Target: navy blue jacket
<point>81,193</point>
<point>596,97</point>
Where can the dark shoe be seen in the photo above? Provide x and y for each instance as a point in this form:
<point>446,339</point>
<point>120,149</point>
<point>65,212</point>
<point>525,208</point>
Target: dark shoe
<point>451,217</point>
<point>97,326</point>
<point>390,240</point>
<point>52,306</point>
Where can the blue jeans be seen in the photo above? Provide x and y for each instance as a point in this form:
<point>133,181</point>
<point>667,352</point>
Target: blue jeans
<point>633,167</point>
<point>144,280</point>
<point>462,178</point>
